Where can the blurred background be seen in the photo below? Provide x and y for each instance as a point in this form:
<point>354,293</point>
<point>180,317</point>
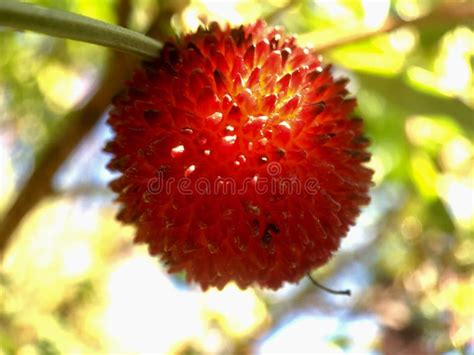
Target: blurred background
<point>71,281</point>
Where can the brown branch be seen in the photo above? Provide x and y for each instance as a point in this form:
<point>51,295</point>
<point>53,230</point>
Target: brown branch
<point>450,12</point>
<point>58,149</point>
<point>77,125</point>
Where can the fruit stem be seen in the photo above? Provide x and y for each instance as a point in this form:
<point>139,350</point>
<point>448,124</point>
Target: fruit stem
<point>64,24</point>
<point>327,289</point>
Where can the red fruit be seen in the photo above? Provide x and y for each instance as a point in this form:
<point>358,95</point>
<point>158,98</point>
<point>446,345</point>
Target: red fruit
<point>238,159</point>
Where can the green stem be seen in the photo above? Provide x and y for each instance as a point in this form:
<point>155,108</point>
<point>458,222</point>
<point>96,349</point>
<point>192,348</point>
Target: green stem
<point>72,26</point>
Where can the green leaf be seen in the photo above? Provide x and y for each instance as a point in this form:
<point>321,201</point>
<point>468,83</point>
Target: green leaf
<point>439,216</point>
<point>46,347</point>
<point>414,102</point>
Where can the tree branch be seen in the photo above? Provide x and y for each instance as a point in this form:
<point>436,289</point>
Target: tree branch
<point>449,12</point>
<point>77,125</point>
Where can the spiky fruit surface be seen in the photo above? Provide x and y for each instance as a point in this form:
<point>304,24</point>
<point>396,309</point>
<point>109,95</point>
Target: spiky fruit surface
<point>238,157</point>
